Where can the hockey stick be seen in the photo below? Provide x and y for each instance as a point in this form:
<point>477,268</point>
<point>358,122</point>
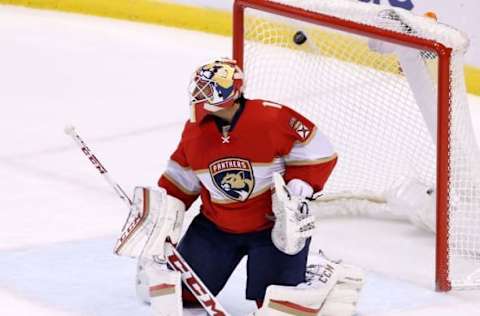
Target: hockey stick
<point>193,282</point>
<point>208,301</point>
<point>70,130</point>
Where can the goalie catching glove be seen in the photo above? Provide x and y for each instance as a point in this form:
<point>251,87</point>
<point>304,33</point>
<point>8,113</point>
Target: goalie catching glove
<point>293,221</point>
<point>154,217</point>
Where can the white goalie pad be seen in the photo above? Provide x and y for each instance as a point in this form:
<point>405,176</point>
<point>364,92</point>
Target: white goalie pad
<point>293,221</point>
<point>159,287</point>
<point>414,199</point>
<point>407,199</point>
<point>331,289</point>
<point>166,294</point>
<point>144,266</point>
<point>154,216</point>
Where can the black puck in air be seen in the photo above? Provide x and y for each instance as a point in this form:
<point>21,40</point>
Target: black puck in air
<point>299,38</point>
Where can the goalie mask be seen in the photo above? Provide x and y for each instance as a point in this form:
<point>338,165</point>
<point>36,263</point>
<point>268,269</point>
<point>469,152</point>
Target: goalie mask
<point>214,87</point>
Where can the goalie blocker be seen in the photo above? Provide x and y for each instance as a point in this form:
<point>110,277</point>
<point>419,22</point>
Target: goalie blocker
<point>154,216</point>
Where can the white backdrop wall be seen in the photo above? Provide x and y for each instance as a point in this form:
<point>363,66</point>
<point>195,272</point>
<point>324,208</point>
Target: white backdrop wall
<point>462,14</point>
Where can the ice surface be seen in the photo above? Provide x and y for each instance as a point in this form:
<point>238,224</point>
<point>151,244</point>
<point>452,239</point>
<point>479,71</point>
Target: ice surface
<point>123,85</point>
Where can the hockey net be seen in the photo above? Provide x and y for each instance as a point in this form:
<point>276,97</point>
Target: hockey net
<point>387,88</point>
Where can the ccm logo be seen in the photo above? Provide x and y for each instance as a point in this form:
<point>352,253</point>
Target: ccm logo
<point>326,274</point>
<point>194,285</point>
<point>131,228</point>
<point>92,158</point>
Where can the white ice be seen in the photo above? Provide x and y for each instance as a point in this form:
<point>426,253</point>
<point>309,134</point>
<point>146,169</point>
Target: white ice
<point>123,85</point>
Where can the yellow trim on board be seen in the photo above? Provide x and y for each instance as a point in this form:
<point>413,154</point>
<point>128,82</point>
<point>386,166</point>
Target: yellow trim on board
<point>472,79</point>
<point>199,19</point>
<point>148,11</point>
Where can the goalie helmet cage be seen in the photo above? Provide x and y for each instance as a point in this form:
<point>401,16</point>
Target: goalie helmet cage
<point>386,118</point>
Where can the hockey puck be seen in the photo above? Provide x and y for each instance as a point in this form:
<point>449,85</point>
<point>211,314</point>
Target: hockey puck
<point>299,38</point>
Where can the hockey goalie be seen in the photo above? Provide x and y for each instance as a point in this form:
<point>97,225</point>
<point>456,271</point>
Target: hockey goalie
<point>254,164</point>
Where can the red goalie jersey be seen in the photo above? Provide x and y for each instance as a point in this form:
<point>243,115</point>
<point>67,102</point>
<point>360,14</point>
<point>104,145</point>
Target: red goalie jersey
<point>231,167</point>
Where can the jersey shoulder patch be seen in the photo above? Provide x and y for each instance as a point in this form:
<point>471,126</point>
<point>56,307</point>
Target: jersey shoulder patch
<point>302,130</point>
<point>296,124</point>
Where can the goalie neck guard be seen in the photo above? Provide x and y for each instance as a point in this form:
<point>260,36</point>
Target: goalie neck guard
<point>215,86</point>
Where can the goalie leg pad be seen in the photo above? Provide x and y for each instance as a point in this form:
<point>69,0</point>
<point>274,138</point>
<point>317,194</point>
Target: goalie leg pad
<point>414,200</point>
<point>154,216</point>
<point>166,293</point>
<point>159,287</point>
<point>331,289</point>
<point>142,281</point>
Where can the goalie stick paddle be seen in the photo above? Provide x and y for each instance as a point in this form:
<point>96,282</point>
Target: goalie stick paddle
<point>208,301</point>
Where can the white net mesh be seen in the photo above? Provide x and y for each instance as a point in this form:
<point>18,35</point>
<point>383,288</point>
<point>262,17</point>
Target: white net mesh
<point>377,102</point>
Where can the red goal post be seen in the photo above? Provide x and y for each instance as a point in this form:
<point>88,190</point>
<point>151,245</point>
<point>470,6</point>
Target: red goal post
<point>292,17</point>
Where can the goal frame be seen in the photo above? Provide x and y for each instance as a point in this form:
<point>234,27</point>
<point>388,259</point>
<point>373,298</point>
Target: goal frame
<point>442,281</point>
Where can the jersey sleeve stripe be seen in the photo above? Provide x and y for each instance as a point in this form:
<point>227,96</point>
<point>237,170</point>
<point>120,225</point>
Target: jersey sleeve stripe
<point>184,178</point>
<point>311,162</point>
<point>318,147</point>
<point>201,171</point>
<point>174,190</point>
<point>179,186</point>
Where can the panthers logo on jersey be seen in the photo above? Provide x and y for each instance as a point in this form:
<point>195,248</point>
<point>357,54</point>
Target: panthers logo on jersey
<point>233,177</point>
